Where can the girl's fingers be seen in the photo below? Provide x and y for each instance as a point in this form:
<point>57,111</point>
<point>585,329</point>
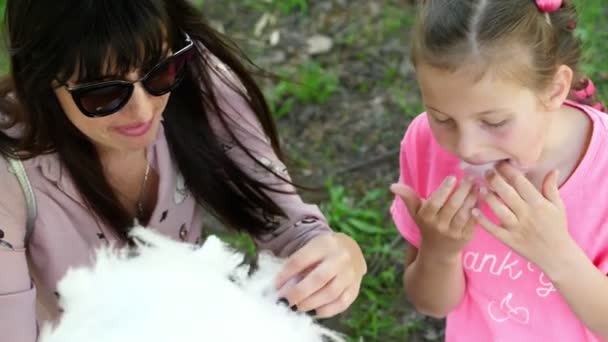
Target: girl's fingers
<point>495,230</point>
<point>502,212</point>
<point>463,215</point>
<point>551,189</point>
<point>456,201</point>
<point>408,196</point>
<point>469,227</point>
<point>506,192</point>
<point>515,188</point>
<point>431,206</point>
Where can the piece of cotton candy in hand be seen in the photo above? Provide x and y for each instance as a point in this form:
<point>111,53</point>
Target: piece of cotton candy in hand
<point>164,290</point>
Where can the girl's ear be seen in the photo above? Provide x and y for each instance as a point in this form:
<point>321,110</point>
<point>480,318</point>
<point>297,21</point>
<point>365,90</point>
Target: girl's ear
<point>559,89</point>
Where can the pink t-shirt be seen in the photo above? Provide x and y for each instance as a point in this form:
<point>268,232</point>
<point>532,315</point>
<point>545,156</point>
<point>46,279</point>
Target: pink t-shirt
<point>507,298</point>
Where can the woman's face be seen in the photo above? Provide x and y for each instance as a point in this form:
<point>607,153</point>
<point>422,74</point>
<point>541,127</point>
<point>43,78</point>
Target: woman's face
<point>133,127</point>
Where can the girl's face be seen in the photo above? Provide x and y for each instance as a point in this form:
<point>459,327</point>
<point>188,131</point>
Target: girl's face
<point>484,121</point>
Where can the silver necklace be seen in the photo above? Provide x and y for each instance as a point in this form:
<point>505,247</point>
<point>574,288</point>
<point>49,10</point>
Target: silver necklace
<point>142,193</point>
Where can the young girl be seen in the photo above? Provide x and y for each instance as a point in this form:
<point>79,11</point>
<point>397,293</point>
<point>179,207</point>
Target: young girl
<point>125,111</point>
<point>519,253</point>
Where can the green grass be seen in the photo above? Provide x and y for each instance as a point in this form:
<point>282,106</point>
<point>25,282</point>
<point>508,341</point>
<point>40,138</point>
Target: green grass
<point>373,315</point>
<point>241,242</point>
<point>593,29</point>
<point>309,83</point>
<point>4,62</point>
<point>285,7</point>
<point>395,19</point>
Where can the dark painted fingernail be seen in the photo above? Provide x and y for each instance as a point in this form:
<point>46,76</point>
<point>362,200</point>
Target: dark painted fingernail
<point>312,312</point>
<point>283,301</point>
<point>294,308</point>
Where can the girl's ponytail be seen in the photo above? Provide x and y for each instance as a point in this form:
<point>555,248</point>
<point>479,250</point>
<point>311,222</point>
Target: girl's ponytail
<point>584,92</point>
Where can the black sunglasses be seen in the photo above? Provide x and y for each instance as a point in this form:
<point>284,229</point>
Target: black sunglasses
<point>108,97</point>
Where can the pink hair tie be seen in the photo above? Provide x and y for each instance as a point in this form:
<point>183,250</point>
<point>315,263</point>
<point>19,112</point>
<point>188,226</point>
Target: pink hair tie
<point>584,90</point>
<point>548,6</point>
<point>599,107</point>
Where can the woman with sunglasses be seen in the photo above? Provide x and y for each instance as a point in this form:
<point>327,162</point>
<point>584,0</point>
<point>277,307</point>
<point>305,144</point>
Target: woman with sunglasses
<point>137,111</point>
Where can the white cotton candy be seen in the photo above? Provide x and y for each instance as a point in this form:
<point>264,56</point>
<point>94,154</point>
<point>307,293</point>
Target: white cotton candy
<point>172,291</point>
<point>477,171</point>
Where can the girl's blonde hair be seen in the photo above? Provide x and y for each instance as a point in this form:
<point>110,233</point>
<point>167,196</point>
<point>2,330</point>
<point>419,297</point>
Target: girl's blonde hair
<point>514,38</point>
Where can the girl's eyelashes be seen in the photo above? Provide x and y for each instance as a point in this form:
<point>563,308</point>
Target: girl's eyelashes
<point>495,124</point>
<point>442,122</point>
<point>491,124</point>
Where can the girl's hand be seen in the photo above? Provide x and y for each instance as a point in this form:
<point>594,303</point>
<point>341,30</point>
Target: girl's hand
<point>444,219</point>
<point>533,224</point>
<point>331,267</point>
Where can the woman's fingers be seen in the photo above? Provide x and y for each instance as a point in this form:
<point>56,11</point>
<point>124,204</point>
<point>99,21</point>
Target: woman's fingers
<point>339,305</point>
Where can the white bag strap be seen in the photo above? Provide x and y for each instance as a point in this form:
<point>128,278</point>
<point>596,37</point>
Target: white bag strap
<point>17,168</point>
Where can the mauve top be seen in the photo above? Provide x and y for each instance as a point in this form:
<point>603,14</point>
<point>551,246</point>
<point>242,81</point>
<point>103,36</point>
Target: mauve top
<point>66,232</point>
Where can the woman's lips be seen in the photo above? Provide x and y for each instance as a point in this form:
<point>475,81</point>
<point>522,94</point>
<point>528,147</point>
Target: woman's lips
<point>134,130</point>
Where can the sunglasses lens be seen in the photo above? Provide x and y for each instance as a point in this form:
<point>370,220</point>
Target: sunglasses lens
<point>109,97</point>
<point>104,100</point>
<point>166,75</point>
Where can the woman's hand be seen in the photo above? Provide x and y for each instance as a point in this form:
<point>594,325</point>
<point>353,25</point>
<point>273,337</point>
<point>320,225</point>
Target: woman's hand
<point>444,218</point>
<point>331,267</point>
<point>532,223</point>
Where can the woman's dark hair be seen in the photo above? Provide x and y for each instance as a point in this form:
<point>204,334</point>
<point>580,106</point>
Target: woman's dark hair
<point>49,41</point>
<point>510,37</point>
